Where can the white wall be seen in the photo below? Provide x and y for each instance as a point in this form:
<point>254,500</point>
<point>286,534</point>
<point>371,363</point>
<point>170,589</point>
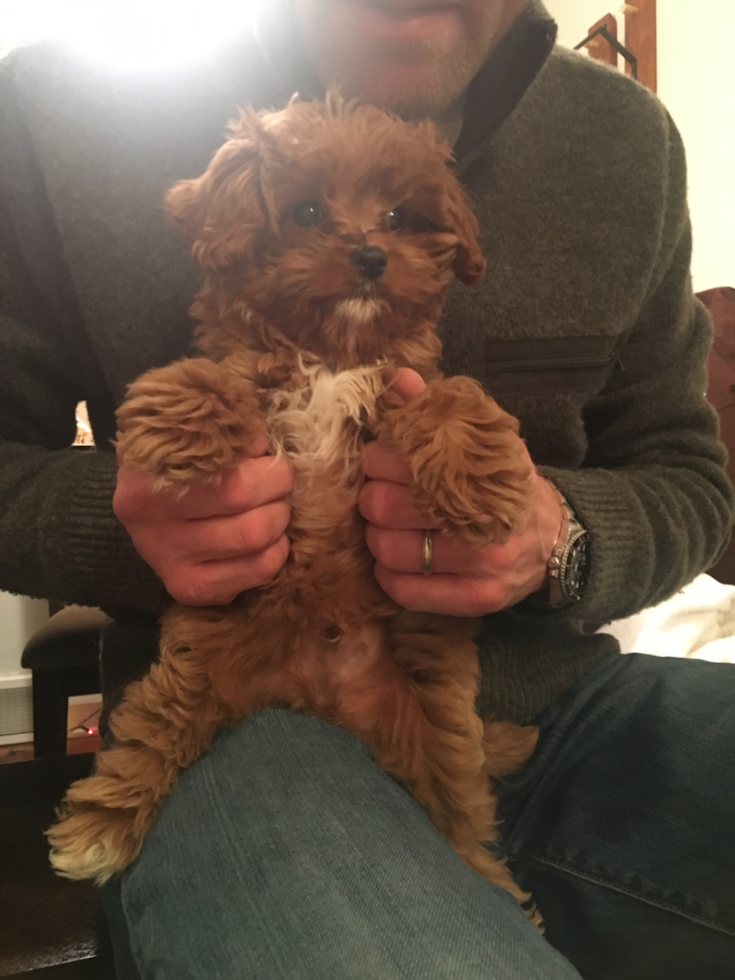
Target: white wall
<point>696,70</point>
<point>575,17</point>
<point>696,82</point>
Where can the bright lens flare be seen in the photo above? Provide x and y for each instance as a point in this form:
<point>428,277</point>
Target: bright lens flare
<point>150,34</point>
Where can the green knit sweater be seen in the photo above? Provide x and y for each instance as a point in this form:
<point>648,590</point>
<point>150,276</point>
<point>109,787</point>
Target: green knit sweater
<point>584,325</point>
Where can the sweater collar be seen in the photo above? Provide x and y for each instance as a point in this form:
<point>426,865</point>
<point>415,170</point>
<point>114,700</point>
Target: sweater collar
<point>506,76</point>
<point>496,90</point>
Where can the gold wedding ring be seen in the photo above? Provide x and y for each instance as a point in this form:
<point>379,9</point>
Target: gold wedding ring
<point>427,552</point>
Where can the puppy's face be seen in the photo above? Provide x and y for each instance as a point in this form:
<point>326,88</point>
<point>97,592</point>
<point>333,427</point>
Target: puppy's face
<point>341,226</point>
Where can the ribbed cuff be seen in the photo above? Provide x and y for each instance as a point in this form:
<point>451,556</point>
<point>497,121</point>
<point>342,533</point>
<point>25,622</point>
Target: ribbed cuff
<point>622,549</point>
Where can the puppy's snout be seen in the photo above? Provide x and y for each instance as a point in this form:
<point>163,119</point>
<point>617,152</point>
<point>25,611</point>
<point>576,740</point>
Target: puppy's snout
<point>370,260</point>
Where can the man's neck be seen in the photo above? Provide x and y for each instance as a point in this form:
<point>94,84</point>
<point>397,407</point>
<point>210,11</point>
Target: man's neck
<point>449,120</point>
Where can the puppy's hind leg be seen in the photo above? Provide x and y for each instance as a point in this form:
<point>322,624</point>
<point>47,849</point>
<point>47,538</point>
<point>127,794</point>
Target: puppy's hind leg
<point>507,747</point>
<point>165,722</point>
<point>434,741</point>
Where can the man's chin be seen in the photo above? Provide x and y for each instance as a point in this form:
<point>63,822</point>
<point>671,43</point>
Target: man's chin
<point>415,57</point>
<point>409,91</point>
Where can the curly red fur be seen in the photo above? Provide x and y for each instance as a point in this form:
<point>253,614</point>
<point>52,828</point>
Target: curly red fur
<point>297,340</point>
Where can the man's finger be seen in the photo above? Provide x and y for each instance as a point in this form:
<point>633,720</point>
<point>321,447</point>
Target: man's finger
<point>381,463</point>
<point>237,535</point>
<point>218,582</point>
<point>252,483</point>
<point>449,595</point>
<point>390,505</point>
<point>408,383</point>
<point>402,551</point>
<point>259,446</point>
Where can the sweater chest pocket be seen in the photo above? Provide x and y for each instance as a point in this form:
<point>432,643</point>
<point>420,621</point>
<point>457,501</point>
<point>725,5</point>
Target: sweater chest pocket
<point>548,365</point>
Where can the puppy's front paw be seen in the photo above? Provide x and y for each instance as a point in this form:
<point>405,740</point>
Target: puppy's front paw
<point>470,472</point>
<point>187,421</point>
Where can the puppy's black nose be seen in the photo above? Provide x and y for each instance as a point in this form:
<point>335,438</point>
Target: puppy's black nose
<point>370,260</point>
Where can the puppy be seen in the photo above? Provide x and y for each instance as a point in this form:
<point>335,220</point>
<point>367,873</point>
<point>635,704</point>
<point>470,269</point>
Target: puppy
<point>328,234</point>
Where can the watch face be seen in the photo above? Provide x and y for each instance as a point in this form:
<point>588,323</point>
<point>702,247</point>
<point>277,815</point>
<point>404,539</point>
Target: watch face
<point>574,575</point>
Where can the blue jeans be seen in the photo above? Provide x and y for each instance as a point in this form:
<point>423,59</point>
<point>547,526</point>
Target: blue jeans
<point>286,854</point>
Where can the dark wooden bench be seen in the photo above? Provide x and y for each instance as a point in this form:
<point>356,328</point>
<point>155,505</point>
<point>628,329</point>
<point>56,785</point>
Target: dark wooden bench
<point>63,656</point>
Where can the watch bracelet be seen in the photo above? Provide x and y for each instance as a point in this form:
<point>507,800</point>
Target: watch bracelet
<point>570,533</point>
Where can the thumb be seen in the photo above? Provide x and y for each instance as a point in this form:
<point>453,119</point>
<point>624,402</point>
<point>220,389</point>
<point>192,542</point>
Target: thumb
<point>259,446</point>
<point>408,383</point>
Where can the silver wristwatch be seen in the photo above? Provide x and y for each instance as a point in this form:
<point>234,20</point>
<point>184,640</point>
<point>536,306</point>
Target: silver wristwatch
<point>569,562</point>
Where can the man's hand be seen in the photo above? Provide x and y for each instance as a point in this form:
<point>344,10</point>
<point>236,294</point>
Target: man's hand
<point>464,581</point>
<point>212,541</point>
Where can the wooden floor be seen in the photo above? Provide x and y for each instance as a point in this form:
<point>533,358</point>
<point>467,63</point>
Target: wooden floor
<point>24,751</point>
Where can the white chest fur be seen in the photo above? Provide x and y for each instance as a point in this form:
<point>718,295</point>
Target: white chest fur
<point>319,426</point>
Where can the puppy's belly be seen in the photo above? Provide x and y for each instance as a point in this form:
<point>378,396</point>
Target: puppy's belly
<point>350,677</point>
<point>318,427</point>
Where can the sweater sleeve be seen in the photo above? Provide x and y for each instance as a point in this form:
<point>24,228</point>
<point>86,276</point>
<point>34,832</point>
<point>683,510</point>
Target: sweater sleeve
<point>653,492</point>
<point>59,537</point>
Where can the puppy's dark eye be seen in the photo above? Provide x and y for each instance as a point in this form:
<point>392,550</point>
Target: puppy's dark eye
<point>395,219</point>
<point>309,214</point>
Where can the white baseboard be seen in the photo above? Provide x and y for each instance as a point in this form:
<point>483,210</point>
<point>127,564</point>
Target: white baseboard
<point>17,739</point>
<point>24,679</point>
<point>16,710</point>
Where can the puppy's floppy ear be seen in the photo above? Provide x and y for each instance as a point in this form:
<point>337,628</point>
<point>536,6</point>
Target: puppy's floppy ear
<point>468,263</point>
<point>229,209</point>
